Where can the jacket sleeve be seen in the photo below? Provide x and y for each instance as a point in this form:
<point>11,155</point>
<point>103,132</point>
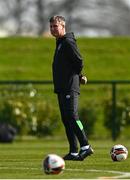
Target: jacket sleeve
<point>74,56</point>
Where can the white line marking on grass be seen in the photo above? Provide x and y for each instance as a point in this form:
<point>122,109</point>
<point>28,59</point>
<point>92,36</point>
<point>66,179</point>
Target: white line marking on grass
<point>121,174</point>
<point>18,168</point>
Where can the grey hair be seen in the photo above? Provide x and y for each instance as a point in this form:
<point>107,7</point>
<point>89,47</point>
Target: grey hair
<point>57,18</point>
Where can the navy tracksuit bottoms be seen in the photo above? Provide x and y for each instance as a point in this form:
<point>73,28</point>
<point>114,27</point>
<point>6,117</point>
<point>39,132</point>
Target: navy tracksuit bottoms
<point>68,104</point>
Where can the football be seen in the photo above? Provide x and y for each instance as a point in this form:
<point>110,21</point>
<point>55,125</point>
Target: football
<point>119,153</point>
<point>53,164</point>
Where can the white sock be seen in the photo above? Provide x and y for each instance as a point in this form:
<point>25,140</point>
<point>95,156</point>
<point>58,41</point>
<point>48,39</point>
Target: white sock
<point>74,154</point>
<point>84,147</point>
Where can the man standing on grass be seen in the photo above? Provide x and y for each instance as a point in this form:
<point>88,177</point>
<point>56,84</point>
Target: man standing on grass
<point>67,66</point>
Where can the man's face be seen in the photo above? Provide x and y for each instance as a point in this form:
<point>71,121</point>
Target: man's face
<point>57,29</point>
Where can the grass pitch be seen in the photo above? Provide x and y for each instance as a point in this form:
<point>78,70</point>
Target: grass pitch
<point>31,58</point>
<point>23,160</point>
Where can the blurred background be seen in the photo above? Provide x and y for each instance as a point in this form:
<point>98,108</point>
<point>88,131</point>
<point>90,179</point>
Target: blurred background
<point>27,101</point>
<point>84,17</point>
<point>29,112</point>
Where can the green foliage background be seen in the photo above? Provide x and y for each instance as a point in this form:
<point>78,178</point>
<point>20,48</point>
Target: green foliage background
<point>31,59</point>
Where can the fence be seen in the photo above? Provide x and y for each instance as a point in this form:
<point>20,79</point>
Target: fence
<point>113,84</point>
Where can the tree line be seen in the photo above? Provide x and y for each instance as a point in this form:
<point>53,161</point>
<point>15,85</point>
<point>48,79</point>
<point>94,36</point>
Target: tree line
<point>30,17</point>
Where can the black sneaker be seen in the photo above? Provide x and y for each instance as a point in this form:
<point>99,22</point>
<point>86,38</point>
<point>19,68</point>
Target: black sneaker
<point>84,153</point>
<point>71,157</point>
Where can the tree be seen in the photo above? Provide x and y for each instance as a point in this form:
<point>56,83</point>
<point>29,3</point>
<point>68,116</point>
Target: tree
<point>41,17</point>
<point>30,17</point>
